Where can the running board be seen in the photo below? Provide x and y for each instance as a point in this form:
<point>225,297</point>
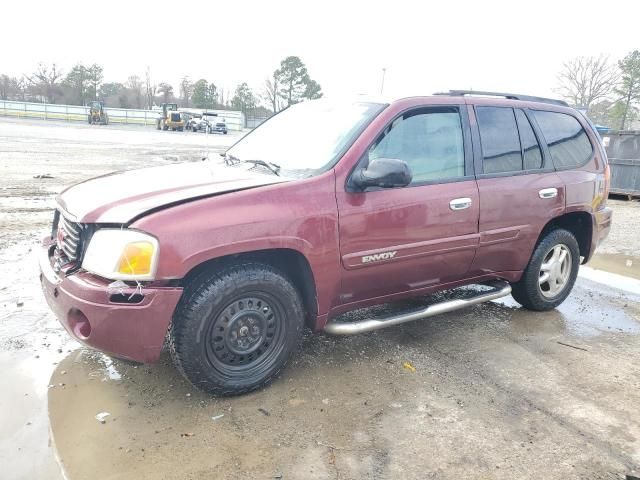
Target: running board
<point>499,289</point>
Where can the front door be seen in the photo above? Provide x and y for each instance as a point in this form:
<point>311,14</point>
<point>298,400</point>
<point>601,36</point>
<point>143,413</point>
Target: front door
<point>395,240</point>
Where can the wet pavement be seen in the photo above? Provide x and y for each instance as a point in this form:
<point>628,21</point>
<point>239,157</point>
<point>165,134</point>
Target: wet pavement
<point>627,265</point>
<point>492,391</point>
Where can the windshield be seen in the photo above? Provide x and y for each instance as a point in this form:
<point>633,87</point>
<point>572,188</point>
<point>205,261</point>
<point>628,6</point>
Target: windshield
<point>308,136</point>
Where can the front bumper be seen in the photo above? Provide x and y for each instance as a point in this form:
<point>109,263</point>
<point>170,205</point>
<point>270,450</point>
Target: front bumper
<point>94,316</point>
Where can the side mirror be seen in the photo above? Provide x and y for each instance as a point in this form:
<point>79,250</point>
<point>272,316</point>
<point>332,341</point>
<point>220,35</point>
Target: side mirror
<point>382,172</point>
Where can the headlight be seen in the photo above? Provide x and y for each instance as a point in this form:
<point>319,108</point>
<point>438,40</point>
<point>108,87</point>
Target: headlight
<point>122,255</point>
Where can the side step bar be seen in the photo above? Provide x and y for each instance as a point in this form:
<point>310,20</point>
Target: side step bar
<point>499,289</point>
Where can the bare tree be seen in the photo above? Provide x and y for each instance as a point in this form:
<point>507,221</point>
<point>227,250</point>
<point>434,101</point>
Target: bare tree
<point>44,82</point>
<point>8,87</point>
<point>134,84</point>
<point>585,80</point>
<point>186,90</point>
<point>271,93</point>
<point>150,89</point>
<point>23,85</point>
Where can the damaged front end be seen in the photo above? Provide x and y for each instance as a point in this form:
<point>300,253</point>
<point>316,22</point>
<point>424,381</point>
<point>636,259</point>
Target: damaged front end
<point>124,317</point>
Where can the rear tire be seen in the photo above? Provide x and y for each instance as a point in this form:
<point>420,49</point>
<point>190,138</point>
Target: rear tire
<point>234,330</point>
<point>551,273</point>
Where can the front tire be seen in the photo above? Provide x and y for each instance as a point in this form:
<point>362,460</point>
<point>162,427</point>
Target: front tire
<point>234,330</point>
<point>551,273</point>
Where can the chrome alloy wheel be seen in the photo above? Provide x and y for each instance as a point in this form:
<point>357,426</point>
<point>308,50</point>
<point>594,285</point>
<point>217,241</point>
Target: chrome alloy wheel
<point>555,271</point>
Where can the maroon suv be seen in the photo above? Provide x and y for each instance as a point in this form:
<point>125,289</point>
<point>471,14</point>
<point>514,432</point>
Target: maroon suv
<point>325,208</point>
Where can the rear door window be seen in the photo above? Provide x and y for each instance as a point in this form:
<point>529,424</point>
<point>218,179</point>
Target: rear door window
<point>499,138</point>
<point>532,155</point>
<point>568,142</point>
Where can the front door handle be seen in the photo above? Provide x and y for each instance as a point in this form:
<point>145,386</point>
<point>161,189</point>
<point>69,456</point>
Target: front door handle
<point>548,193</point>
<point>459,203</point>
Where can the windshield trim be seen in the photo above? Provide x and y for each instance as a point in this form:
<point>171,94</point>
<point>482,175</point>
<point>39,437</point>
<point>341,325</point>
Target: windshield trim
<point>336,158</point>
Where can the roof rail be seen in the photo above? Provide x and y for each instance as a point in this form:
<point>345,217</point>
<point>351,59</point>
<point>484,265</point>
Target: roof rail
<point>510,96</point>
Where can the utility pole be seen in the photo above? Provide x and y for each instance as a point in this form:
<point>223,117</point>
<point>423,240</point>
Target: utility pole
<point>384,70</point>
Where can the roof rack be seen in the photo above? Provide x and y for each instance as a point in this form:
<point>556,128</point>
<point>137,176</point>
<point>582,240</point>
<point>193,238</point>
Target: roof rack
<point>510,96</point>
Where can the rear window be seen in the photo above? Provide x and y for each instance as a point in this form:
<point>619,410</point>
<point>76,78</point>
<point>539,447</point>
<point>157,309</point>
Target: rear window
<point>568,142</point>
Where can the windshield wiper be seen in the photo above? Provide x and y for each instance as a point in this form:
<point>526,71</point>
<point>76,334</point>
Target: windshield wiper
<point>271,166</point>
<point>232,160</point>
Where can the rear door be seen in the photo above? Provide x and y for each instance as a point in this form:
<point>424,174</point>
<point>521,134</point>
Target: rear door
<point>518,186</point>
<point>403,239</point>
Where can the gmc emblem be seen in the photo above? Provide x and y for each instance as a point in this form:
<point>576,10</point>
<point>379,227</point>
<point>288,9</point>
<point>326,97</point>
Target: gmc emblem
<point>60,237</point>
<point>379,256</point>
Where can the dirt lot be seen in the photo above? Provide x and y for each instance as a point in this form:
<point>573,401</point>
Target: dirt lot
<point>497,392</point>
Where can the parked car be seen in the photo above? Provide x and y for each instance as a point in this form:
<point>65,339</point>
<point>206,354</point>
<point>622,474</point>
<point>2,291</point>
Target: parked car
<point>297,224</point>
<point>195,119</point>
<point>210,123</point>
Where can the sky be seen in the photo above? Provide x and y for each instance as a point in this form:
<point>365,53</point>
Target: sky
<point>424,46</point>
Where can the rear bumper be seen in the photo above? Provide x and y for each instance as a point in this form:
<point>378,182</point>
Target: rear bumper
<point>83,304</point>
<point>601,228</point>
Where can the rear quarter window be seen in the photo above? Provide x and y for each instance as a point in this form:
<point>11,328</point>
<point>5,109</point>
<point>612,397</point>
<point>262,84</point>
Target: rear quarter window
<point>568,142</point>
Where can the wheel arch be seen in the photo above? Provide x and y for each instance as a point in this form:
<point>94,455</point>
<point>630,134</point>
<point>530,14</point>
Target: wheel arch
<point>580,224</point>
<point>293,263</point>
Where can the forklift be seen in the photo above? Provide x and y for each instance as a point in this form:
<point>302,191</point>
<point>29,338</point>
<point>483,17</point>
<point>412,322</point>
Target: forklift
<point>170,118</point>
<point>97,113</point>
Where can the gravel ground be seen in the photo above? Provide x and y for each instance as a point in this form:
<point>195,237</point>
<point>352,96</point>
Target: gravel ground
<point>492,391</point>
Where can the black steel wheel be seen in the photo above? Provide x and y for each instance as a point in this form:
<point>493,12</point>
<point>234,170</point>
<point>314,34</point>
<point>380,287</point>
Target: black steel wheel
<point>234,330</point>
<point>246,332</point>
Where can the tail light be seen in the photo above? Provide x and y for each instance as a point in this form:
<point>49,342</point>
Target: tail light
<point>603,182</point>
<point>607,180</point>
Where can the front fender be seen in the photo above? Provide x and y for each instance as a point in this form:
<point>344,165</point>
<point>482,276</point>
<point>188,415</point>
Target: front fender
<point>298,215</point>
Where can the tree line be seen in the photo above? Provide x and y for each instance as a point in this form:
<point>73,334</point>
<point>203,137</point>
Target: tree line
<point>609,91</point>
<point>288,84</point>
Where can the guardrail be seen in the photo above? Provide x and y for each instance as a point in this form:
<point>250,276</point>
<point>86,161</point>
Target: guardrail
<point>77,113</point>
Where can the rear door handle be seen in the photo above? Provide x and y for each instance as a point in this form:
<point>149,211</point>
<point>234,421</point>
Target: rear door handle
<point>548,193</point>
<point>459,203</point>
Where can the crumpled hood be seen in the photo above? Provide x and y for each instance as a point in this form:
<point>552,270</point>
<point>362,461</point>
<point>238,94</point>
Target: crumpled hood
<point>122,196</point>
